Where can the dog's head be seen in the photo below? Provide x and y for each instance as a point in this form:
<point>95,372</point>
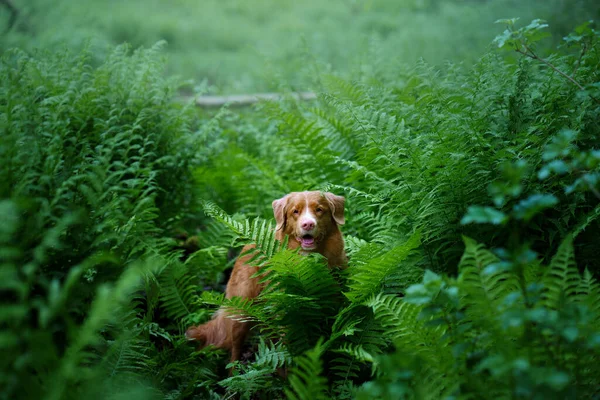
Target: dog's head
<point>308,217</point>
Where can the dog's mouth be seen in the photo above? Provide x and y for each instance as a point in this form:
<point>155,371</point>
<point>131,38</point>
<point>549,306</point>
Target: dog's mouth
<point>307,241</point>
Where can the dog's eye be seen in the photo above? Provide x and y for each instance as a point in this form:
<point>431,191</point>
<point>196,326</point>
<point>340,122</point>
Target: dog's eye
<point>295,211</point>
<point>319,209</point>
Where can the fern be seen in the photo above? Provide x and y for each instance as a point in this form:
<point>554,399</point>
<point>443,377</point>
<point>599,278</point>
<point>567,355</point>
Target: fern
<point>178,292</point>
<point>561,278</point>
<point>404,327</point>
<point>95,178</point>
<point>259,232</point>
<point>101,312</point>
<point>485,285</point>
<point>368,278</point>
<point>257,375</point>
<point>414,341</point>
<point>588,293</point>
<point>306,381</point>
<point>363,341</point>
<point>300,288</point>
<point>248,383</point>
<point>273,355</point>
<point>127,355</point>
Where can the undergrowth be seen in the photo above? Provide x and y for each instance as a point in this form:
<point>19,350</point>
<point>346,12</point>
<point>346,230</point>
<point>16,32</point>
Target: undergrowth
<point>472,205</point>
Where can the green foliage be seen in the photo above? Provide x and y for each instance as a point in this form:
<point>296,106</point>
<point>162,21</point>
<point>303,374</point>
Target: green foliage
<point>101,170</point>
<point>368,275</point>
<point>305,381</point>
<point>275,44</point>
<point>94,179</point>
<point>503,334</point>
<point>426,160</point>
<point>258,375</point>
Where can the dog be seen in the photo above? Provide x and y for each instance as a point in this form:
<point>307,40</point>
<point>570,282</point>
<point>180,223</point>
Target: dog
<point>311,221</point>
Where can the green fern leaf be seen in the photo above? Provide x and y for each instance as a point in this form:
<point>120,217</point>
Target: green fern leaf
<point>259,232</point>
<point>562,277</point>
<point>305,380</point>
<point>177,290</point>
<point>273,356</point>
<point>588,293</point>
<point>484,290</point>
<point>248,383</point>
<point>369,278</point>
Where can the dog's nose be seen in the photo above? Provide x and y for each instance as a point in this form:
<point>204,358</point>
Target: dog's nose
<point>308,225</point>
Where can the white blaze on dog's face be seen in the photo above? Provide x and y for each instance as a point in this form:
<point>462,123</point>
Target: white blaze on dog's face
<point>308,217</point>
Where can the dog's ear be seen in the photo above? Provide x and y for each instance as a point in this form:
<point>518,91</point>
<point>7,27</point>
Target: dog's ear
<point>337,207</point>
<point>279,208</point>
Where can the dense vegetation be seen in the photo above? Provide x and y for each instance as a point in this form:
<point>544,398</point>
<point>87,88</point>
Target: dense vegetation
<point>472,227</point>
<point>262,45</point>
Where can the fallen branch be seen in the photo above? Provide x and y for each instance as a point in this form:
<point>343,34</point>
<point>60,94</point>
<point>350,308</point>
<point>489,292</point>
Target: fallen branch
<point>242,100</point>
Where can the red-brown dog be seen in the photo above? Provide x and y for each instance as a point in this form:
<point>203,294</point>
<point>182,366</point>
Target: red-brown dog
<point>311,220</point>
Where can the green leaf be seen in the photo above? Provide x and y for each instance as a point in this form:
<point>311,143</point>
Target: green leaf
<point>561,278</point>
<point>558,380</point>
<point>484,215</point>
<point>533,32</point>
<point>306,380</point>
<point>535,25</point>
<point>503,38</point>
<point>533,205</point>
<point>561,145</point>
<point>509,185</point>
<point>507,21</point>
<point>555,166</point>
<point>369,277</point>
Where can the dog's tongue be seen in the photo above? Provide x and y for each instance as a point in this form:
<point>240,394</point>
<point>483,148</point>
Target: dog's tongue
<point>308,241</point>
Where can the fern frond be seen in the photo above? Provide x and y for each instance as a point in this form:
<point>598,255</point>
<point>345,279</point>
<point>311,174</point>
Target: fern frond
<point>259,232</point>
<point>368,278</point>
<point>357,338</point>
<point>585,221</point>
<point>305,380</point>
<point>273,355</point>
<point>588,293</point>
<point>484,290</point>
<point>257,376</point>
<point>343,140</point>
<point>412,338</point>
<point>346,322</point>
<point>404,327</point>
<point>248,383</point>
<point>300,288</point>
<point>177,290</point>
<point>353,245</point>
<point>349,91</point>
<point>299,275</point>
<point>215,233</point>
<point>127,355</point>
<point>562,277</point>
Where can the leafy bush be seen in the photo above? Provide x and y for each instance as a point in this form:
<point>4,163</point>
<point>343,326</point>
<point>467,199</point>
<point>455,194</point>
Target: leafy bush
<point>526,331</point>
<point>94,175</point>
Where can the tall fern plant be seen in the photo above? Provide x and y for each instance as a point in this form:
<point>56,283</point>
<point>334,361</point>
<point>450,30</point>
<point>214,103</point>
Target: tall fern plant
<point>94,168</point>
<point>494,333</point>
